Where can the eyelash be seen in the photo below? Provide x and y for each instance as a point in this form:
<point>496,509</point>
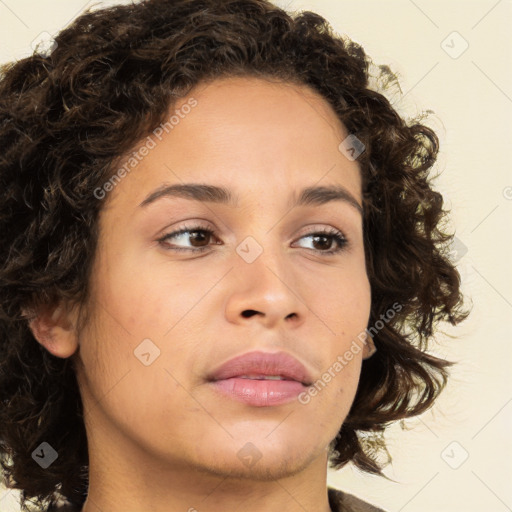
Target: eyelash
<point>336,235</point>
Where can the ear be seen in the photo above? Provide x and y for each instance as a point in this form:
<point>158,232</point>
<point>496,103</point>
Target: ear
<point>369,347</point>
<point>55,329</point>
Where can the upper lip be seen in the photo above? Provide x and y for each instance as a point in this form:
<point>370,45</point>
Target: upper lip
<point>263,363</point>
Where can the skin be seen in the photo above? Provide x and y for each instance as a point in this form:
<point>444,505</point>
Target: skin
<point>160,438</point>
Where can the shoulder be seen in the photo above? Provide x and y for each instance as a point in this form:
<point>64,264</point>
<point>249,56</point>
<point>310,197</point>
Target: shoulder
<point>340,501</point>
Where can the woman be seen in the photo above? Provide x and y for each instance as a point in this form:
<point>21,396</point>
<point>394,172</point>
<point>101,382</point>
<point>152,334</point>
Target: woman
<point>222,263</point>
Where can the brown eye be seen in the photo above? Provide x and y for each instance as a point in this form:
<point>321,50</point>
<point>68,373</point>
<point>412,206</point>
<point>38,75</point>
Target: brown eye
<point>197,235</point>
<point>324,239</point>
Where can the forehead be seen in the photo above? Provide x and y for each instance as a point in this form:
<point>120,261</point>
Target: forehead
<point>251,102</point>
<point>251,134</point>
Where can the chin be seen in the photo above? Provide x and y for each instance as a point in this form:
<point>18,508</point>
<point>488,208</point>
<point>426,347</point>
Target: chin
<point>269,467</point>
<point>258,458</point>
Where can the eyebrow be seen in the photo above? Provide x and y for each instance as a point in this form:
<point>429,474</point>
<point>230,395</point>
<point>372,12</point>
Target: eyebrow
<point>221,195</point>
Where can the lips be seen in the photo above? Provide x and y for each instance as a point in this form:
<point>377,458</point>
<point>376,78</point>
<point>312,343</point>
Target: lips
<point>257,365</point>
<point>243,379</point>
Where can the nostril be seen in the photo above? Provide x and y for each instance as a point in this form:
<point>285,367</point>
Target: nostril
<point>248,313</point>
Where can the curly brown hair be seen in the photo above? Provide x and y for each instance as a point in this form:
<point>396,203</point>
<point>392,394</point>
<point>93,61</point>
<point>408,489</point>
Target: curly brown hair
<point>67,118</point>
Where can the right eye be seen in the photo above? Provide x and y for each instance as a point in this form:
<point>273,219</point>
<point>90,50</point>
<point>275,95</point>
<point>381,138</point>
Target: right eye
<point>183,234</point>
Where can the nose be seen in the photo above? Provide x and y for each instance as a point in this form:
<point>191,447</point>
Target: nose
<point>267,292</point>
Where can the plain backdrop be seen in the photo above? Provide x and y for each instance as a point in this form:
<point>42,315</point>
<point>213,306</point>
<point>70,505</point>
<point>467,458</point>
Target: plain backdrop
<point>453,58</point>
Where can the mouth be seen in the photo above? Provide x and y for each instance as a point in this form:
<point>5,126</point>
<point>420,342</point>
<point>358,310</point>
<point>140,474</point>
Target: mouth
<point>259,392</point>
<point>261,378</point>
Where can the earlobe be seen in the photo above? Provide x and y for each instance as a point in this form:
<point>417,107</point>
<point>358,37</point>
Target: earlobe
<point>54,329</point>
<point>369,347</point>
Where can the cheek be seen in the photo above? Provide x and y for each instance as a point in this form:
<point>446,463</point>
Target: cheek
<point>149,294</point>
<point>342,300</point>
<point>344,308</point>
<point>137,332</point>
<point>130,379</point>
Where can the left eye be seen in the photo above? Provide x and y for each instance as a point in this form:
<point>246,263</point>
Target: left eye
<point>329,235</point>
<point>202,235</point>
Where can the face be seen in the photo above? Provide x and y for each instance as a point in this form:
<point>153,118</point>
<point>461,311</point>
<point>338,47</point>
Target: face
<point>168,309</point>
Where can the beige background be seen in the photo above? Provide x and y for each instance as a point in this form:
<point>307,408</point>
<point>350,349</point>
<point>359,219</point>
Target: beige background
<point>471,95</point>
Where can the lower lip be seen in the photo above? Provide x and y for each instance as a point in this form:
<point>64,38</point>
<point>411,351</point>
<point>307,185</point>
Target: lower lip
<point>259,393</point>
